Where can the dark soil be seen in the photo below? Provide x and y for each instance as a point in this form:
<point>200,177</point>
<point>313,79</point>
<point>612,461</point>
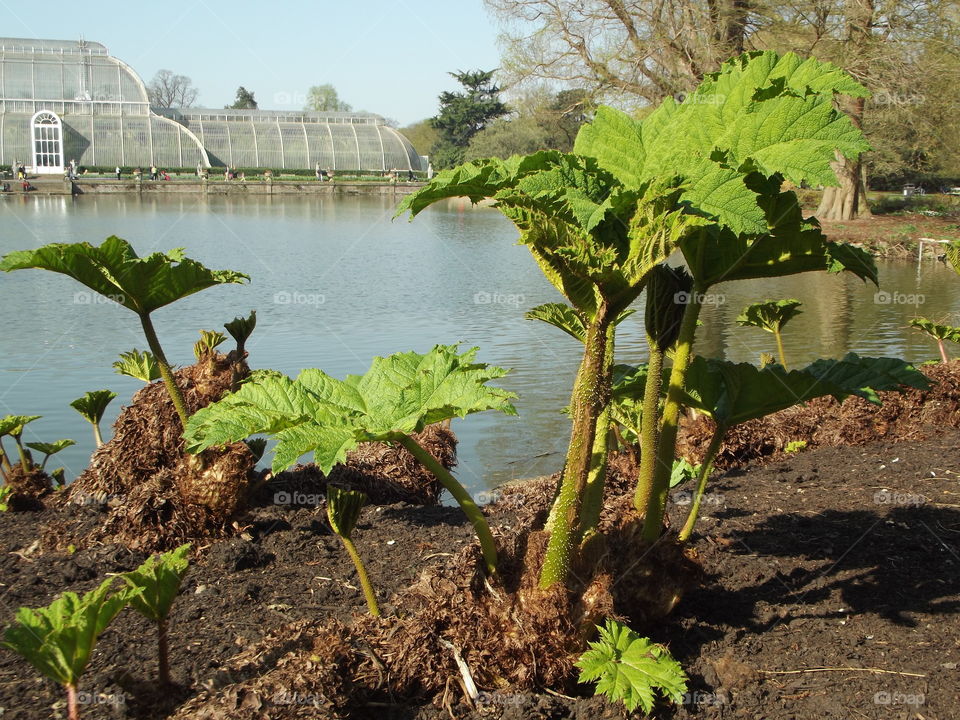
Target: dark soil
<point>821,571</point>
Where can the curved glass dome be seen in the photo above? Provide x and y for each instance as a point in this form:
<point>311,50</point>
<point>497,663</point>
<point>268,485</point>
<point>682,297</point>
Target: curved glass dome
<point>277,139</point>
<point>107,120</point>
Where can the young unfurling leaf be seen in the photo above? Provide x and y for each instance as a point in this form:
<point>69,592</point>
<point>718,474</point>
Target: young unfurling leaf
<point>92,406</point>
<point>343,511</point>
<point>138,365</point>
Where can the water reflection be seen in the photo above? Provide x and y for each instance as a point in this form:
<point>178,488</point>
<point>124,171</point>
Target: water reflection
<point>336,281</point>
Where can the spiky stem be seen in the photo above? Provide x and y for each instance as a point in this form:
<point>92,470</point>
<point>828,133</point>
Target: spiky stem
<point>165,372</point>
<point>667,443</point>
<point>705,469</point>
<point>593,494</point>
<point>5,461</point>
<point>779,336</point>
<point>163,653</point>
<point>591,395</point>
<point>73,712</point>
<point>362,574</point>
<point>649,428</point>
<point>460,494</point>
<point>96,434</point>
<point>25,463</point>
<point>943,351</point>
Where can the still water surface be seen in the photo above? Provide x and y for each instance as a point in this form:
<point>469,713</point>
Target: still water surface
<point>335,282</point>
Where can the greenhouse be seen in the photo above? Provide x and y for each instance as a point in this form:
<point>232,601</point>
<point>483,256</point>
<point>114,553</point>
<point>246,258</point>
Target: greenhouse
<point>67,101</point>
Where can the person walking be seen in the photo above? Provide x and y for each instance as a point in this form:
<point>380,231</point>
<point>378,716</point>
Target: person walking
<point>118,172</point>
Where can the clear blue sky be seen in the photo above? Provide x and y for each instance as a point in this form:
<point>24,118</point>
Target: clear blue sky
<point>385,56</point>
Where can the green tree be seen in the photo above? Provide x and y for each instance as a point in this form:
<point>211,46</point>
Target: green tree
<point>422,135</point>
<point>324,98</point>
<point>463,114</point>
<point>244,101</point>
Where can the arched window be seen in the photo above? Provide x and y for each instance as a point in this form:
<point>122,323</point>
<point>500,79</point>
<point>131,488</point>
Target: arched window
<point>47,143</point>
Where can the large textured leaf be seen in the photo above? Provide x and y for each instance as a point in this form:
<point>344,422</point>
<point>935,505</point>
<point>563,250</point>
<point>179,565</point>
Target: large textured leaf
<point>732,393</point>
<point>115,271</point>
<point>631,668</point>
<point>398,395</point>
<point>760,112</point>
<point>770,315</point>
<point>866,376</point>
<point>794,244</point>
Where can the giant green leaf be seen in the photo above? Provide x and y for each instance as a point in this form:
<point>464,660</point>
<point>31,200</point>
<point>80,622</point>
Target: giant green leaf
<point>115,271</point>
<point>399,395</point>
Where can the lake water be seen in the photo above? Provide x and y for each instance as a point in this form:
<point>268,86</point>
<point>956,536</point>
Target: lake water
<point>335,282</point>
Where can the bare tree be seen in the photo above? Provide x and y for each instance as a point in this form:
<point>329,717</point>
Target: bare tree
<point>645,49</point>
<point>169,90</point>
<point>640,51</point>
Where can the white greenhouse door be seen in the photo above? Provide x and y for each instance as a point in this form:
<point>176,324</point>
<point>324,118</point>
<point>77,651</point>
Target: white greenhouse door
<point>47,143</point>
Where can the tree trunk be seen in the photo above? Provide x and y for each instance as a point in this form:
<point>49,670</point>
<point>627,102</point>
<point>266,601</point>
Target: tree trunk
<point>849,201</point>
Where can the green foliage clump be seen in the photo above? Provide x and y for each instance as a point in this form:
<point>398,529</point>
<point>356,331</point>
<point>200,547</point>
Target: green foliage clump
<point>463,114</point>
<point>59,639</point>
<point>631,669</point>
<point>398,396</point>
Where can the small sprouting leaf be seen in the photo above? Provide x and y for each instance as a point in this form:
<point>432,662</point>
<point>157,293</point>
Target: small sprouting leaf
<point>5,492</point>
<point>13,424</point>
<point>682,472</point>
<point>138,365</point>
<point>208,342</point>
<point>158,579</point>
<point>93,404</point>
<point>53,448</point>
<point>343,509</point>
<point>937,331</point>
<point>769,315</point>
<point>631,669</point>
<point>241,328</point>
